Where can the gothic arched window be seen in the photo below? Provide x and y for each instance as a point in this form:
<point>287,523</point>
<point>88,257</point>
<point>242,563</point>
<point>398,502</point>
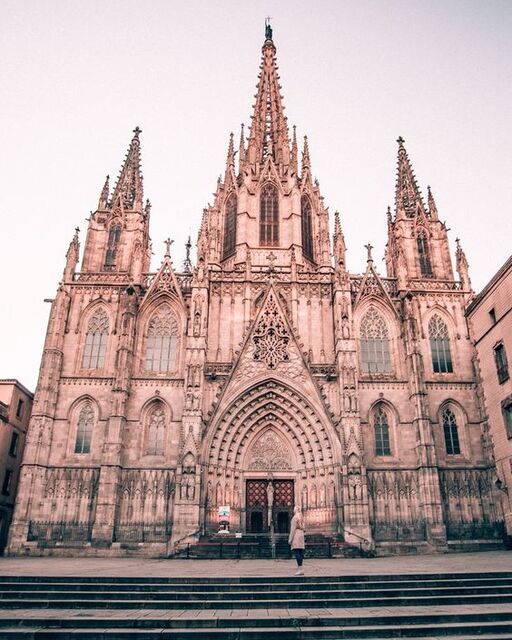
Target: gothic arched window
<point>307,227</point>
<point>96,341</point>
<point>381,431</point>
<point>374,341</point>
<point>451,432</point>
<point>424,255</point>
<point>162,341</point>
<point>440,345</point>
<point>269,216</point>
<point>156,430</point>
<point>230,227</point>
<point>84,429</point>
<point>114,236</point>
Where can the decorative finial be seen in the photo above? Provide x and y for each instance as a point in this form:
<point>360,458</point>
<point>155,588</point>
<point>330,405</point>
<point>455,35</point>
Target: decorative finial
<point>187,263</point>
<point>77,231</point>
<point>400,141</point>
<point>268,28</point>
<point>369,248</point>
<point>168,243</point>
<point>137,131</point>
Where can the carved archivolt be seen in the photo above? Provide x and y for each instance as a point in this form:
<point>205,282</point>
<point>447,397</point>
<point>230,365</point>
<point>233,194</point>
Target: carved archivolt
<point>270,404</point>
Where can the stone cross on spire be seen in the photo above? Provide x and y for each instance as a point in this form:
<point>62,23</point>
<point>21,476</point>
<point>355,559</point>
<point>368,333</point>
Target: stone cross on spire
<point>168,243</point>
<point>369,248</point>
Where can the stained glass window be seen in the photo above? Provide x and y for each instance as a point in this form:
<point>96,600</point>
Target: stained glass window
<point>424,255</point>
<point>230,227</point>
<point>156,431</point>
<point>307,228</point>
<point>96,341</point>
<point>381,429</point>
<point>451,432</point>
<point>269,216</point>
<point>84,429</point>
<point>113,242</point>
<point>440,345</point>
<point>162,341</point>
<point>374,342</point>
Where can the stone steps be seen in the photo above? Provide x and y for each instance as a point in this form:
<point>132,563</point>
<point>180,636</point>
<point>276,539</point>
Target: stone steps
<point>358,607</point>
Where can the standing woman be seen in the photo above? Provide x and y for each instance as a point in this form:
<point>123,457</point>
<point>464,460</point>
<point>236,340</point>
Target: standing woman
<point>296,538</point>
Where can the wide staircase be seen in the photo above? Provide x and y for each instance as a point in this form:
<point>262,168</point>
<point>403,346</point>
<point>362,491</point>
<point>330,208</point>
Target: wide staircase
<point>450,606</point>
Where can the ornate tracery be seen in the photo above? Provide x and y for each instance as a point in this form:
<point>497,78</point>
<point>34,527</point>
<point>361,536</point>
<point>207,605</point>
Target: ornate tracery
<point>271,336</point>
<point>440,345</point>
<point>85,427</point>
<point>230,226</point>
<point>307,227</point>
<point>162,341</point>
<point>96,340</point>
<point>269,216</point>
<point>374,342</point>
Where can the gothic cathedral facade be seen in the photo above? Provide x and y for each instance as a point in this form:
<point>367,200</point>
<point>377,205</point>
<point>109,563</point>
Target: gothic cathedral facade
<point>263,377</point>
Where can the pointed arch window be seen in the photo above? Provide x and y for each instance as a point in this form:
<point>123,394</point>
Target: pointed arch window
<point>230,227</point>
<point>269,216</point>
<point>440,345</point>
<point>96,341</point>
<point>424,255</point>
<point>155,439</point>
<point>374,342</point>
<point>162,342</point>
<point>85,427</point>
<point>307,227</point>
<point>451,432</point>
<point>381,431</point>
<point>114,236</point>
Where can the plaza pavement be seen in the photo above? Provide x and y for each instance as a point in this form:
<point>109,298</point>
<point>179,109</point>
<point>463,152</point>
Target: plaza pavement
<point>162,568</point>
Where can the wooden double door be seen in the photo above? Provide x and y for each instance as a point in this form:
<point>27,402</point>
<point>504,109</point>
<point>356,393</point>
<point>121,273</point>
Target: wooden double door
<point>269,501</point>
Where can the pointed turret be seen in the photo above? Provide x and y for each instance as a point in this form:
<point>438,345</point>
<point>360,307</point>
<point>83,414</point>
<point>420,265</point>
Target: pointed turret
<point>230,161</point>
<point>269,130</point>
<point>306,160</point>
<point>72,257</point>
<point>338,244</point>
<point>408,200</point>
<point>187,263</point>
<point>295,154</point>
<point>462,267</point>
<point>241,148</point>
<point>103,201</point>
<point>432,207</point>
<point>128,191</point>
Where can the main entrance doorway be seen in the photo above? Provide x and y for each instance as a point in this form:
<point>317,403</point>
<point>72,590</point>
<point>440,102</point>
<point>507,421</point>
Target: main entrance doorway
<point>269,502</point>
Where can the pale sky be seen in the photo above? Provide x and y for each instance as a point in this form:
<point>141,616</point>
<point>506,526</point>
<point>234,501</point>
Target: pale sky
<point>77,77</point>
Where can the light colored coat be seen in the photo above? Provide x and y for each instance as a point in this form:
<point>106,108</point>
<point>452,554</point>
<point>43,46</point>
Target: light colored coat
<point>296,537</point>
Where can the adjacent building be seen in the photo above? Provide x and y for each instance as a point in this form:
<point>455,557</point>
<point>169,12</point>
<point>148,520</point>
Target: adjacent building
<point>15,409</point>
<point>265,376</point>
<point>490,320</point>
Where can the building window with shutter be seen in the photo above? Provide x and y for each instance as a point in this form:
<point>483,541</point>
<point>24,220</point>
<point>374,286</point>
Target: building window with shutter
<point>6,486</point>
<point>500,357</point>
<point>506,408</point>
<point>13,448</point>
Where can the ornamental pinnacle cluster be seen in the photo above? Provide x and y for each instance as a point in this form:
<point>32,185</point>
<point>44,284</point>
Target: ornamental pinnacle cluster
<point>175,403</point>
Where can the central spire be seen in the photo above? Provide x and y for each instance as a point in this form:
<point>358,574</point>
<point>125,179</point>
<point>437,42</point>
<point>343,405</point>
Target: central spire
<point>269,129</point>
